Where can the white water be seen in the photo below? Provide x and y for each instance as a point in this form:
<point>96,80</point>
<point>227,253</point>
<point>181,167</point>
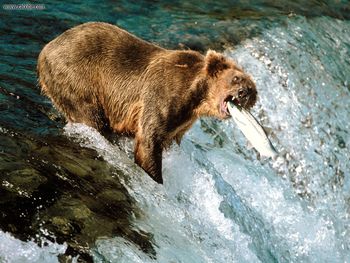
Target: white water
<point>16,251</point>
<point>219,203</point>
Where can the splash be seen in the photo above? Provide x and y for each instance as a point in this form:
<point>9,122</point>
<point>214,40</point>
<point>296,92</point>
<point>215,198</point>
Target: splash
<point>15,251</point>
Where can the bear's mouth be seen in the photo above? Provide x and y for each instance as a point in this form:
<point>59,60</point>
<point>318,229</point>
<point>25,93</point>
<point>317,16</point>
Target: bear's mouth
<point>244,98</point>
<point>224,107</point>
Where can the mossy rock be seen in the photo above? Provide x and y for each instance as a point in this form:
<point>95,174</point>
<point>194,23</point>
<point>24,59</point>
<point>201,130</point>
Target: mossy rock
<point>26,180</point>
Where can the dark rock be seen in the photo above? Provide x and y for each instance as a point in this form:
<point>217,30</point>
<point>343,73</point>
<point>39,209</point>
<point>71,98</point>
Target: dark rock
<point>66,190</point>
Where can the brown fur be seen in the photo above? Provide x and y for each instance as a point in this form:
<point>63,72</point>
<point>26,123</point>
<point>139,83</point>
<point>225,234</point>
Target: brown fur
<point>103,76</point>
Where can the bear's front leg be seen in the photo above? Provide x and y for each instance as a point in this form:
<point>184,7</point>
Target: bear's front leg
<point>148,155</point>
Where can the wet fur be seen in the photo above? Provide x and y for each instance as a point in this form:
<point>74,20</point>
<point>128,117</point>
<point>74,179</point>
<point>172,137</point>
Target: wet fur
<point>107,78</point>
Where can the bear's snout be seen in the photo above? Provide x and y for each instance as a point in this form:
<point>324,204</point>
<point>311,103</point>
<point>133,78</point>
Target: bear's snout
<point>246,96</point>
<point>245,91</point>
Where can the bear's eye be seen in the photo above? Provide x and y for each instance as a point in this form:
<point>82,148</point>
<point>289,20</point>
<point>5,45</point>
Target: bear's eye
<point>236,80</point>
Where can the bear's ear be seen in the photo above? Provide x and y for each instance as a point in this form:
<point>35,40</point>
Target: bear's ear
<point>214,63</point>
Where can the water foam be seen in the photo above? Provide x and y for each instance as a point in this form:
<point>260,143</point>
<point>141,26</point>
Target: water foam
<point>13,250</point>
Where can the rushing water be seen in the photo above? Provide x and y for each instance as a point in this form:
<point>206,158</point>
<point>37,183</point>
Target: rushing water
<point>66,192</point>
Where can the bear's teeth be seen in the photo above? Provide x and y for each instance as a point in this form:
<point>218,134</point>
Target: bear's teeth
<point>235,101</point>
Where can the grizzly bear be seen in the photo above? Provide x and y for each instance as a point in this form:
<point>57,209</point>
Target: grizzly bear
<point>100,75</point>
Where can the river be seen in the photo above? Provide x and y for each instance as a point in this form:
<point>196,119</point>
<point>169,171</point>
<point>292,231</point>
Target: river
<point>69,194</point>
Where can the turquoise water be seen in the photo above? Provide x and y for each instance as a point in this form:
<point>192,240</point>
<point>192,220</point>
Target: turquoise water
<point>66,191</point>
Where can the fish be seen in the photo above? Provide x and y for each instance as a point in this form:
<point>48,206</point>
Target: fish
<point>252,130</point>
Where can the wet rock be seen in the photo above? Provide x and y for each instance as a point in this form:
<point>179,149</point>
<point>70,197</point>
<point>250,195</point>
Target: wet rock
<point>65,193</point>
<point>25,180</point>
<point>113,196</point>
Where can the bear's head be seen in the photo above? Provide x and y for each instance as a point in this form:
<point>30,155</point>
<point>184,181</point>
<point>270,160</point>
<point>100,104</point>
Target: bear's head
<point>226,81</point>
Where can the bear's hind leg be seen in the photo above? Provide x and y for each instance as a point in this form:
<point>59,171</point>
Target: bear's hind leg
<point>76,109</point>
<point>82,112</point>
